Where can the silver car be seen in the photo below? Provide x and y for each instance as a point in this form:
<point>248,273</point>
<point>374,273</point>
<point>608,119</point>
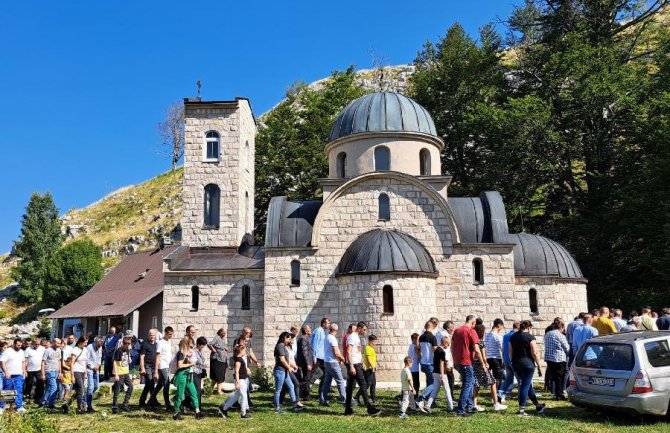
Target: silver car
<point>627,372</point>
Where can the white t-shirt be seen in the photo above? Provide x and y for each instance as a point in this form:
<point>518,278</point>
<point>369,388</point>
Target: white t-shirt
<point>356,355</point>
<point>67,351</point>
<point>14,360</point>
<point>34,357</point>
<point>81,358</point>
<point>328,352</point>
<point>165,351</point>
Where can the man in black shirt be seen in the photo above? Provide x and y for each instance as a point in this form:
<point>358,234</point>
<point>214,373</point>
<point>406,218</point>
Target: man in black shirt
<point>148,367</point>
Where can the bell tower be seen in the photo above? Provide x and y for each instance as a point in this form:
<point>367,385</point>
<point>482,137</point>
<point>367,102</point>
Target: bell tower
<point>219,151</point>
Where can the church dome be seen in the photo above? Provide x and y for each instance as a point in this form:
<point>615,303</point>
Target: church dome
<point>538,256</point>
<point>381,250</point>
<point>382,112</point>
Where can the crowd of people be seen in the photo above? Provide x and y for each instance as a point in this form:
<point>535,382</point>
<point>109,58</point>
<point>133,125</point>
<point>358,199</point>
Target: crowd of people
<point>62,371</point>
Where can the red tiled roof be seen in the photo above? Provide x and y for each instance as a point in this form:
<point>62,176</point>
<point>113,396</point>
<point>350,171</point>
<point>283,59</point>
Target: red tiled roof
<point>121,291</point>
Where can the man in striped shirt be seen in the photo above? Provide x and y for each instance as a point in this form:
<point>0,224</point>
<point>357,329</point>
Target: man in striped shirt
<point>556,350</point>
<point>494,351</point>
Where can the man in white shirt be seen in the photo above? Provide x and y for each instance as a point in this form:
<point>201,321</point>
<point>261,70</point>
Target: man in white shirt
<point>356,371</point>
<point>163,358</point>
<point>93,363</point>
<point>34,353</point>
<point>14,366</point>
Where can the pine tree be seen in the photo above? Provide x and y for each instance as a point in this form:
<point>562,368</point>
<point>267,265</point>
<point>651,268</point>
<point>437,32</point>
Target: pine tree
<point>41,237</point>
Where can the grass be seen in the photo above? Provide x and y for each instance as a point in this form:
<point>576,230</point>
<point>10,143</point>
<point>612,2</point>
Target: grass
<point>560,417</point>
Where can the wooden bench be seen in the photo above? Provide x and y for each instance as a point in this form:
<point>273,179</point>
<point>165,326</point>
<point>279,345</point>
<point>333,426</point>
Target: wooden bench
<point>8,397</point>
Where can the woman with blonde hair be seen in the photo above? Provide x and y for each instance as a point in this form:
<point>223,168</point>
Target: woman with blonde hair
<point>183,378</point>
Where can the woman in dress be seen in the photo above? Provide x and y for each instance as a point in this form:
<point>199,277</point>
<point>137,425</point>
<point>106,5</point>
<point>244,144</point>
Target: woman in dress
<point>483,376</point>
<point>218,360</point>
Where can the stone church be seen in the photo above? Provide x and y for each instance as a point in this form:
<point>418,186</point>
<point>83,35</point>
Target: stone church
<point>386,244</point>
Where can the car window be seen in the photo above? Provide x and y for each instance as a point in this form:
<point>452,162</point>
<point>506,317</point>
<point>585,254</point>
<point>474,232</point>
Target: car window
<point>606,356</point>
<point>658,353</point>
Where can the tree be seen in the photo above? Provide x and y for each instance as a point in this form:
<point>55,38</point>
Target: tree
<point>41,237</point>
<point>171,131</point>
<point>290,156</point>
<point>75,268</point>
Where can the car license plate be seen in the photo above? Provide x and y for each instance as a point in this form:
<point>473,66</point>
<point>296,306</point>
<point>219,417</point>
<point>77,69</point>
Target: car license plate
<point>601,381</point>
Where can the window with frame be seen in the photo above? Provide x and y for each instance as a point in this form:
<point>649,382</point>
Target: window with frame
<point>384,206</point>
<point>477,271</point>
<point>532,300</point>
<point>387,299</point>
<point>424,162</point>
<point>212,144</point>
<point>382,158</point>
<point>246,297</point>
<point>342,165</point>
<point>211,206</point>
<point>295,273</point>
<point>658,353</point>
<point>195,298</point>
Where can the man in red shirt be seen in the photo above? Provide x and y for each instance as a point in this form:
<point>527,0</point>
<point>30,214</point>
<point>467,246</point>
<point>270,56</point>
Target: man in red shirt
<point>463,343</point>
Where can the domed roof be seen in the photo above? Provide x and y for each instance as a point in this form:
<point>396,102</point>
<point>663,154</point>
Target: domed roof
<point>382,250</point>
<point>538,256</point>
<point>382,112</point>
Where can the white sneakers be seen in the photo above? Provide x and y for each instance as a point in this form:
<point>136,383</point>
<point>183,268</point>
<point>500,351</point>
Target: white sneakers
<point>479,408</point>
<point>499,406</point>
<point>21,410</point>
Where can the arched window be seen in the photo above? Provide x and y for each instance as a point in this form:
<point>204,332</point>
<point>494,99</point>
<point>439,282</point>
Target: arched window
<point>246,297</point>
<point>384,207</point>
<point>424,162</point>
<point>211,207</point>
<point>532,300</point>
<point>387,298</point>
<point>382,158</point>
<point>195,298</point>
<point>295,273</point>
<point>212,146</point>
<point>342,165</point>
<point>477,271</point>
<point>247,155</point>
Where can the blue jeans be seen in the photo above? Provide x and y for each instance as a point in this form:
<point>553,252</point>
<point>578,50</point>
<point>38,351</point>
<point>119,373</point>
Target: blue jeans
<point>15,383</point>
<point>281,380</point>
<point>465,401</point>
<point>51,388</point>
<point>428,371</point>
<point>93,385</point>
<point>525,373</point>
<point>508,383</point>
<point>333,371</point>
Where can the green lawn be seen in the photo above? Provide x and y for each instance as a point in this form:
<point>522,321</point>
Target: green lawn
<point>560,417</point>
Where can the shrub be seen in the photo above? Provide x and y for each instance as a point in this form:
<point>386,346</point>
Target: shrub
<point>207,387</point>
<point>263,378</point>
<point>31,422</point>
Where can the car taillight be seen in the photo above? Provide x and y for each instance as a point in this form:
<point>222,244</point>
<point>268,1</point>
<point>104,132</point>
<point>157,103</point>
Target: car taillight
<point>572,381</point>
<point>642,383</point>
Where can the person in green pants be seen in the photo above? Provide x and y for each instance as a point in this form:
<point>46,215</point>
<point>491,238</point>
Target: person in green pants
<point>183,379</point>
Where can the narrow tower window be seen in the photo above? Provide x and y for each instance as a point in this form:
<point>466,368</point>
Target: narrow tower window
<point>424,162</point>
<point>295,273</point>
<point>532,300</point>
<point>211,208</point>
<point>382,158</point>
<point>246,297</point>
<point>212,142</point>
<point>384,207</point>
<point>477,271</point>
<point>342,165</point>
<point>246,212</point>
<point>195,298</point>
<point>387,295</point>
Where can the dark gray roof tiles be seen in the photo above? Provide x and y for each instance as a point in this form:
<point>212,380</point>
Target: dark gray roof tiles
<point>538,256</point>
<point>382,112</point>
<point>382,250</point>
<point>290,223</point>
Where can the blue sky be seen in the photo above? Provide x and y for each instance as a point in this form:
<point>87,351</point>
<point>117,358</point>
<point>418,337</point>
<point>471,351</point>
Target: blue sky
<point>84,83</point>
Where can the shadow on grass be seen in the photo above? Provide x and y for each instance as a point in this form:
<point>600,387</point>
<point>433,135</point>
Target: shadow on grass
<point>592,416</point>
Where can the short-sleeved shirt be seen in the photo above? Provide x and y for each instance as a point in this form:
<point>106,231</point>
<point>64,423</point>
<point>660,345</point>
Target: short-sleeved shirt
<point>356,354</point>
<point>462,342</point>
<point>14,360</point>
<point>427,342</point>
<point>280,350</point>
<point>51,359</point>
<point>411,352</point>
<point>80,359</point>
<point>494,345</point>
<point>328,346</point>
<point>165,350</point>
<point>521,352</point>
<point>34,358</point>
<point>405,378</point>
<point>122,361</point>
<point>663,323</point>
<point>370,358</point>
<point>604,325</point>
<point>149,350</point>
<point>648,323</point>
<point>438,358</point>
<point>243,367</point>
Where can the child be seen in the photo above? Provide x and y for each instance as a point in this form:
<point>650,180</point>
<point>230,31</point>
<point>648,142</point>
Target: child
<point>408,390</point>
<point>241,384</point>
<point>370,364</point>
<point>413,352</point>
